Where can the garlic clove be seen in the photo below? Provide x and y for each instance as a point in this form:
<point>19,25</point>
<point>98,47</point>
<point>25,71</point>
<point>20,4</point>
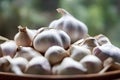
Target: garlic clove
<point>55,54</point>
<point>38,65</point>
<point>92,64</point>
<point>27,53</point>
<point>73,27</point>
<point>78,52</point>
<point>9,48</point>
<point>22,38</point>
<point>46,39</point>
<point>70,67</point>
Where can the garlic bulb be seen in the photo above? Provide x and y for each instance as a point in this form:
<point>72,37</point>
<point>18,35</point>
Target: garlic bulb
<point>50,37</point>
<point>38,65</point>
<point>27,53</point>
<point>102,39</point>
<point>107,50</point>
<point>24,36</point>
<point>73,27</point>
<point>9,48</point>
<point>55,54</point>
<point>69,67</point>
<point>18,65</point>
<point>97,51</point>
<point>92,63</point>
<point>78,52</point>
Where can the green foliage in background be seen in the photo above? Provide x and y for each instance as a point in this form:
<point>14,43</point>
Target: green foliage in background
<point>101,16</point>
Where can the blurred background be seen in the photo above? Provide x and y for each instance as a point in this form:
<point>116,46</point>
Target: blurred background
<point>101,16</point>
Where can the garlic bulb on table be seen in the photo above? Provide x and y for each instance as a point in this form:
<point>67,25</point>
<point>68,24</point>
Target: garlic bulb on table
<point>73,27</point>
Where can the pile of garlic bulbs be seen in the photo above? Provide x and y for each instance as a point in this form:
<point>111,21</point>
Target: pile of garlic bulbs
<point>63,48</point>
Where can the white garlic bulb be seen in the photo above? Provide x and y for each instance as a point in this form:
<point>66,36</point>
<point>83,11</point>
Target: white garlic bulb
<point>50,37</point>
<point>25,36</point>
<point>18,65</point>
<point>92,63</point>
<point>107,50</point>
<point>27,53</point>
<point>73,27</point>
<point>9,48</point>
<point>55,54</point>
<point>38,65</point>
<point>70,67</point>
<point>78,52</point>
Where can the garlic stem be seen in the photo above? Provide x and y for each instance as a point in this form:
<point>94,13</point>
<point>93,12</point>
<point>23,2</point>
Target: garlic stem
<point>22,29</point>
<point>105,69</point>
<point>16,70</point>
<point>62,11</point>
<point>107,64</point>
<point>3,38</point>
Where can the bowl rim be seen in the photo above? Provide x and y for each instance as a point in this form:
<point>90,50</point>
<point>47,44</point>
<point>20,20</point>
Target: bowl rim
<point>110,74</point>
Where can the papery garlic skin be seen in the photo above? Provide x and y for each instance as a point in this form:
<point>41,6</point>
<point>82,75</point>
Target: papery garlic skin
<point>73,27</point>
<point>89,43</point>
<point>9,48</point>
<point>38,65</point>
<point>55,54</point>
<point>91,63</point>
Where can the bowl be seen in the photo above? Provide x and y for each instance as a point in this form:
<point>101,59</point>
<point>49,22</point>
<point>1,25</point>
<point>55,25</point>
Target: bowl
<point>109,75</point>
